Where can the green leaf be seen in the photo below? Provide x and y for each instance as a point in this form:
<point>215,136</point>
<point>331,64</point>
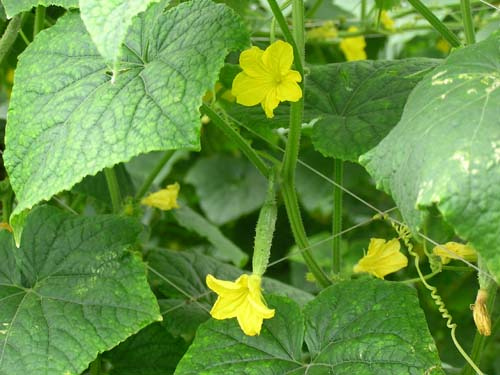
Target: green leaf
<point>221,347</point>
<point>358,103</point>
<point>13,7</point>
<point>226,249</point>
<point>445,151</point>
<point>353,327</point>
<point>228,187</point>
<point>108,21</point>
<point>70,292</point>
<point>68,120</point>
<point>152,351</point>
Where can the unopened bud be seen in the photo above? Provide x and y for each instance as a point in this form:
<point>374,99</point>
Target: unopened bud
<point>480,313</point>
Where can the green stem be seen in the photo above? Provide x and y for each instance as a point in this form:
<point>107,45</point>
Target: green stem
<point>297,55</point>
<point>299,234</point>
<point>312,11</point>
<point>435,22</point>
<point>39,20</point>
<point>291,155</point>
<point>338,176</point>
<point>236,137</point>
<point>467,20</point>
<point>418,279</point>
<point>114,189</point>
<point>95,367</point>
<point>363,11</point>
<point>10,35</point>
<point>6,208</point>
<point>154,173</point>
<point>78,201</point>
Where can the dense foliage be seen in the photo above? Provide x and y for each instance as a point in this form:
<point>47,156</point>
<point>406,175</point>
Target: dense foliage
<point>330,168</point>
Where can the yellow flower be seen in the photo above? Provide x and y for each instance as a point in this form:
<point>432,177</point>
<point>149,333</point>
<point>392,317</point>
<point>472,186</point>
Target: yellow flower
<point>386,21</point>
<point>267,78</point>
<point>241,299</point>
<point>382,258</point>
<point>455,251</point>
<point>324,32</point>
<point>354,48</point>
<point>164,199</point>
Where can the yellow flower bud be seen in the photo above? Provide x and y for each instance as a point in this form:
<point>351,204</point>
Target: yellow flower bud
<point>480,313</point>
<point>354,47</point>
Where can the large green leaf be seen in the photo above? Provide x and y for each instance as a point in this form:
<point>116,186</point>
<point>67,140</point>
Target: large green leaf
<point>228,187</point>
<point>13,7</point>
<point>446,149</point>
<point>67,119</point>
<point>152,351</point>
<point>358,103</point>
<point>108,21</point>
<point>354,327</point>
<point>70,292</point>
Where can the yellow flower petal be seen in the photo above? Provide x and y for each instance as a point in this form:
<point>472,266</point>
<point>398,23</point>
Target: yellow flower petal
<point>270,102</point>
<point>252,64</point>
<point>289,90</point>
<point>164,199</point>
<point>278,57</point>
<point>248,90</point>
<point>241,299</point>
<point>382,258</point>
<point>354,47</point>
<point>455,250</point>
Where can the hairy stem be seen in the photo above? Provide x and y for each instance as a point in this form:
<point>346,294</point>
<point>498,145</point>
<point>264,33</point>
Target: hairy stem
<point>39,20</point>
<point>292,151</point>
<point>467,20</point>
<point>435,22</point>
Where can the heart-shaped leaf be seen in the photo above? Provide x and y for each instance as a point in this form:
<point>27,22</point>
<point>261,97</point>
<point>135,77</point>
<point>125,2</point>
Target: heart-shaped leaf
<point>445,151</point>
<point>70,292</point>
<point>69,119</point>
